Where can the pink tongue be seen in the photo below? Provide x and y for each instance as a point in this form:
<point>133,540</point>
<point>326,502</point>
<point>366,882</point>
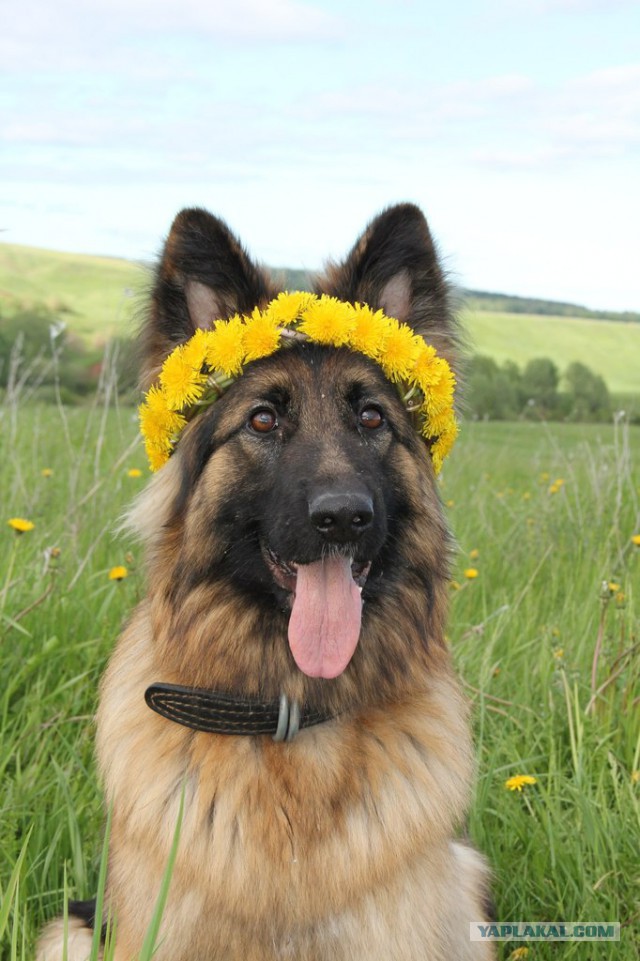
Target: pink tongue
<point>324,626</point>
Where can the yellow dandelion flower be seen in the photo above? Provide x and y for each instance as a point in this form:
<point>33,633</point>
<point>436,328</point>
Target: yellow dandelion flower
<point>369,333</point>
<point>636,540</point>
<point>471,573</point>
<point>288,307</point>
<point>613,587</point>
<point>559,481</point>
<point>261,335</point>
<point>134,472</point>
<point>558,653</point>
<point>635,777</point>
<point>118,573</point>
<point>181,381</point>
<point>194,352</point>
<point>553,489</point>
<point>518,954</point>
<point>426,370</point>
<point>20,525</point>
<point>454,585</point>
<point>519,781</point>
<point>158,424</point>
<point>450,503</point>
<point>225,346</point>
<point>328,321</point>
<point>158,456</point>
<point>620,597</point>
<point>46,472</point>
<point>442,447</point>
<point>474,554</point>
<point>401,351</point>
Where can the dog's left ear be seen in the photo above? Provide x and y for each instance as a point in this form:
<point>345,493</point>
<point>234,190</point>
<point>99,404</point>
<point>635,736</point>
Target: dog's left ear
<point>204,274</point>
<point>394,265</point>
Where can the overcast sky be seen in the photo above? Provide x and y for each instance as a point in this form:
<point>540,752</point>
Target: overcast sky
<point>515,124</point>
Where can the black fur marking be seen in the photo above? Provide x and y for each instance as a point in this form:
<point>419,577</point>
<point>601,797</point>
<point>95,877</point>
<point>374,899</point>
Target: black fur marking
<point>86,911</point>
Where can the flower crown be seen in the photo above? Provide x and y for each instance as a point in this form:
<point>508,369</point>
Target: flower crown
<point>197,373</point>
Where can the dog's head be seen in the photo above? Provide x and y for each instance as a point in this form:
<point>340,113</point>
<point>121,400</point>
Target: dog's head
<point>297,521</point>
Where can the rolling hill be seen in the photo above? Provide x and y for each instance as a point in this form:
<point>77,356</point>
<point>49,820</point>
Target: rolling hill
<point>99,297</point>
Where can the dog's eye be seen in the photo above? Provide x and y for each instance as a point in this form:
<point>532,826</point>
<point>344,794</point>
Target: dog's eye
<point>263,420</point>
<point>371,417</point>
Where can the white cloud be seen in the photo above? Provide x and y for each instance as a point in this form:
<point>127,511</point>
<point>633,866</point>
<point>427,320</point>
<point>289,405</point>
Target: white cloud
<point>70,34</point>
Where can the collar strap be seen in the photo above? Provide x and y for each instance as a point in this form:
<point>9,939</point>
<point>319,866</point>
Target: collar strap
<point>218,713</point>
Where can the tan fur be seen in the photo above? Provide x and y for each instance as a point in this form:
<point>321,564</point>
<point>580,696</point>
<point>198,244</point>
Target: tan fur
<point>54,940</point>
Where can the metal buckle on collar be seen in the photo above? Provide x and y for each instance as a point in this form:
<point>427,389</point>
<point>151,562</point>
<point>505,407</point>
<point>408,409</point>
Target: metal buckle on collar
<point>288,720</point>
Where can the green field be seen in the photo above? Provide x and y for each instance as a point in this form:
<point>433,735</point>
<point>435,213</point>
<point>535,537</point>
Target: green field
<point>524,633</point>
<point>609,348</point>
<point>95,296</point>
<point>98,297</point>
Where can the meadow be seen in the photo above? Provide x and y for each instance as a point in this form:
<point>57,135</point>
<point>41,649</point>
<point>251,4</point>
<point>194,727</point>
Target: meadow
<point>544,629</point>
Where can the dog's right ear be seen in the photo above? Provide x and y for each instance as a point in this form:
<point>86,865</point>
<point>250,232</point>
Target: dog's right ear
<point>204,274</point>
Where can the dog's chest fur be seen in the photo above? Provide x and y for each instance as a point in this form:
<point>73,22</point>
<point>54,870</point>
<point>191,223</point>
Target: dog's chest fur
<point>284,850</point>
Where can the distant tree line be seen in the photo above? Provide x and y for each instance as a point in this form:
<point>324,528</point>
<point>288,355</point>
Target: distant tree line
<point>536,392</point>
<point>505,303</point>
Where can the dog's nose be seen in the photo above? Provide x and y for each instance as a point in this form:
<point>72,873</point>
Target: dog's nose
<point>341,516</point>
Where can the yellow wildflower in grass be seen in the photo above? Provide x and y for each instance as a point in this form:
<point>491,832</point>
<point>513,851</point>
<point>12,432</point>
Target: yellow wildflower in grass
<point>635,777</point>
<point>544,477</point>
<point>518,954</point>
<point>369,332</point>
<point>526,496</point>
<point>554,488</point>
<point>474,554</point>
<point>519,781</point>
<point>471,573</point>
<point>559,481</point>
<point>613,587</point>
<point>134,472</point>
<point>225,346</point>
<point>401,351</point>
<point>20,525</point>
<point>620,597</point>
<point>46,472</point>
<point>454,585</point>
<point>636,540</point>
<point>328,321</point>
<point>450,503</point>
<point>118,573</point>
<point>261,334</point>
<point>558,653</point>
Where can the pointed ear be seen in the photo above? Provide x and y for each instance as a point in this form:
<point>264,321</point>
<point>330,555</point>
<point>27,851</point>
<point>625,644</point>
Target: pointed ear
<point>204,274</point>
<point>394,265</point>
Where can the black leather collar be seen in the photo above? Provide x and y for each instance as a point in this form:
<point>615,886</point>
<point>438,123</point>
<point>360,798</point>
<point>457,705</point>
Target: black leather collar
<point>218,713</point>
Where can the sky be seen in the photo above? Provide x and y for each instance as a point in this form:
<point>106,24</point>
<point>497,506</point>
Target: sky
<point>514,124</point>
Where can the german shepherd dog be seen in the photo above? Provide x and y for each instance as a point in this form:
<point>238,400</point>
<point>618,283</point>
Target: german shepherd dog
<point>338,844</point>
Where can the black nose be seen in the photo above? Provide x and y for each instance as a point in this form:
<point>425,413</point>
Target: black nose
<point>341,516</point>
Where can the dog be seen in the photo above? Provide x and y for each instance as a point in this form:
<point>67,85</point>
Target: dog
<point>298,564</point>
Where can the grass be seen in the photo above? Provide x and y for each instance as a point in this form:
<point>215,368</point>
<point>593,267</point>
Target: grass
<point>535,635</point>
<point>95,296</point>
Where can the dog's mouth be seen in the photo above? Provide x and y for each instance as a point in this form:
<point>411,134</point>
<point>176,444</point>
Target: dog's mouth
<point>326,609</point>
